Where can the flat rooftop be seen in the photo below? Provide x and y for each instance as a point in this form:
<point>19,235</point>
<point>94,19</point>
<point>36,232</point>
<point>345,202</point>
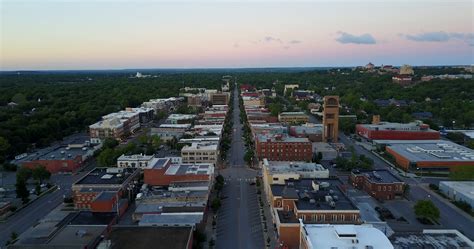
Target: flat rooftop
<point>308,129</point>
<point>200,146</point>
<point>281,167</point>
<point>464,187</point>
<point>433,239</point>
<point>378,176</point>
<point>171,219</point>
<point>159,163</point>
<point>181,116</point>
<point>102,176</point>
<point>293,114</point>
<point>308,198</point>
<point>139,237</point>
<point>190,169</point>
<point>433,150</point>
<point>407,127</point>
<point>283,138</point>
<point>343,236</point>
<point>58,152</point>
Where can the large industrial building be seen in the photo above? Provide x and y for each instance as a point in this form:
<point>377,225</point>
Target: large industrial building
<point>428,154</point>
<point>397,131</point>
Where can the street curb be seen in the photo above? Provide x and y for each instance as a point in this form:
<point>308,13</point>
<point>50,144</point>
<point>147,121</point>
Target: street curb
<point>447,202</point>
<point>50,190</point>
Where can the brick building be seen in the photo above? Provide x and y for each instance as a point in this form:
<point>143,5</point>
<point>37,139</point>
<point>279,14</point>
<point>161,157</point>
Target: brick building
<point>380,184</point>
<point>220,98</point>
<point>293,117</point>
<point>281,147</point>
<point>165,173</point>
<point>397,131</point>
<point>314,132</point>
<point>431,155</point>
<point>102,189</point>
<point>314,201</point>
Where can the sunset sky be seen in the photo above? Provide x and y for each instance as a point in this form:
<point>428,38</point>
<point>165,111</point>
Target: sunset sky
<point>155,34</point>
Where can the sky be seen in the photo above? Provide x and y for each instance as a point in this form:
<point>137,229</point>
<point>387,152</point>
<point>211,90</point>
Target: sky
<point>106,34</point>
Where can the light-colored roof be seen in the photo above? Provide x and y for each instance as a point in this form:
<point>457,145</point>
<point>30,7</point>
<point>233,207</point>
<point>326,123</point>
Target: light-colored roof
<point>466,188</point>
<point>346,236</point>
<point>432,150</point>
<point>275,167</point>
<point>200,146</point>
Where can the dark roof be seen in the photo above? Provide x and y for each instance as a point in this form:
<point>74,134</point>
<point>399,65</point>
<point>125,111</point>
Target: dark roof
<point>90,218</point>
<point>310,199</point>
<point>378,176</point>
<point>150,237</point>
<point>289,193</point>
<point>96,176</point>
<point>182,209</point>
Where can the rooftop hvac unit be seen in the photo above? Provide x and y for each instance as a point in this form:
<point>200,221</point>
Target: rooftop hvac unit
<point>332,204</point>
<point>312,201</point>
<point>328,198</point>
<point>324,184</point>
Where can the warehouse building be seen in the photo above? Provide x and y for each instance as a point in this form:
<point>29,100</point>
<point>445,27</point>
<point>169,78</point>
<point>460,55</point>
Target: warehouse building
<point>429,154</point>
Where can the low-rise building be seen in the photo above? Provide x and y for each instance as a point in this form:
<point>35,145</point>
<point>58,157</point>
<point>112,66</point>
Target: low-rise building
<point>318,236</point>
<point>326,150</point>
<point>119,183</point>
<point>402,79</point>
<point>195,100</point>
<point>314,201</point>
<point>142,237</point>
<point>164,173</point>
<point>168,132</point>
<point>180,118</point>
<point>145,114</point>
<point>293,117</point>
<point>135,161</point>
<point>314,132</point>
<point>116,125</point>
<point>281,147</point>
<point>428,154</point>
<point>56,159</point>
<point>397,131</point>
<point>200,152</point>
<point>277,172</point>
<point>380,184</point>
<point>432,238</point>
<point>220,98</point>
<point>458,191</point>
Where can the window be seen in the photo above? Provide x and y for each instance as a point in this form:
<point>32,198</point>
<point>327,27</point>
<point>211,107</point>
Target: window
<point>275,178</point>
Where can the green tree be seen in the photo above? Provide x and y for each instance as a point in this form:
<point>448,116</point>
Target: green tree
<point>24,174</point>
<point>426,209</point>
<point>4,147</point>
<point>216,204</point>
<point>107,157</point>
<point>109,143</point>
<point>248,157</point>
<point>40,174</point>
<point>21,190</point>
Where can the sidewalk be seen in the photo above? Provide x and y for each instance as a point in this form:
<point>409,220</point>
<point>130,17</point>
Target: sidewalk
<point>267,224</point>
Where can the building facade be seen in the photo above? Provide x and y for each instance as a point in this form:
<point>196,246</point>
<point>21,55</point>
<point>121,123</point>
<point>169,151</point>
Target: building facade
<point>283,148</point>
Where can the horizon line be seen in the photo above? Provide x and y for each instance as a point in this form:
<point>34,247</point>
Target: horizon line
<point>219,68</point>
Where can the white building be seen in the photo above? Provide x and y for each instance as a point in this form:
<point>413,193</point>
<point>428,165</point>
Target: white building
<point>205,152</point>
<point>135,161</point>
<point>278,172</point>
<point>318,236</point>
<point>459,191</point>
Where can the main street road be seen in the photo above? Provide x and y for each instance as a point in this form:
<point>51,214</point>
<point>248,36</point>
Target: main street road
<point>238,220</point>
<point>450,216</point>
<point>30,215</point>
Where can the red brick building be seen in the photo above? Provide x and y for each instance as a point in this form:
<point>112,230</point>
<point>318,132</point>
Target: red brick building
<point>397,131</point>
<point>102,189</point>
<point>380,184</point>
<point>60,159</point>
<point>283,148</point>
<point>314,201</point>
<point>165,173</point>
